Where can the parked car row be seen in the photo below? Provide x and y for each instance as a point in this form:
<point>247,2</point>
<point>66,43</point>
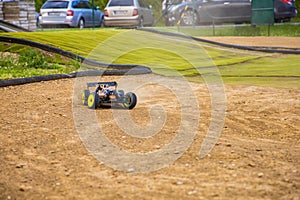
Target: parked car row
<point>81,13</point>
<point>133,13</point>
<point>188,12</point>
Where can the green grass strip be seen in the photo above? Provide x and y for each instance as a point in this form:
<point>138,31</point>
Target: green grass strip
<point>105,45</point>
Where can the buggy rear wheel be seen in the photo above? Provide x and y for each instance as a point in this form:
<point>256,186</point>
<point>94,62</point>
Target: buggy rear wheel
<point>85,96</point>
<point>93,100</point>
<point>130,100</point>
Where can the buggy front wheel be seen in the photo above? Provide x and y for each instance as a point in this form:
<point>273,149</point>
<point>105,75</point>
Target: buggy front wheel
<point>130,100</point>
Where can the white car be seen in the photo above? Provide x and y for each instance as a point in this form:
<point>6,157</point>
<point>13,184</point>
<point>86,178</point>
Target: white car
<point>128,13</point>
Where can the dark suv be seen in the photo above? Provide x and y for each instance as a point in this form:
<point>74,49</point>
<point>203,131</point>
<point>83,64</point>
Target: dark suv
<point>189,12</point>
<point>284,10</point>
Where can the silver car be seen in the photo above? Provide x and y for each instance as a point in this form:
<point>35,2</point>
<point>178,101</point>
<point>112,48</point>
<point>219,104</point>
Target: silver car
<point>70,13</point>
<point>128,13</point>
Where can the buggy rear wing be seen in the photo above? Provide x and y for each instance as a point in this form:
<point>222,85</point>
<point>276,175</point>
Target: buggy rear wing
<point>94,84</point>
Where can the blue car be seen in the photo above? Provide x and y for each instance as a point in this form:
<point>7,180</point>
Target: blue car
<point>70,13</point>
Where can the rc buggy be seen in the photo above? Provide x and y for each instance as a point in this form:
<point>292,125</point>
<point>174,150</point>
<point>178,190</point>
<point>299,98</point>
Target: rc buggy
<point>106,93</point>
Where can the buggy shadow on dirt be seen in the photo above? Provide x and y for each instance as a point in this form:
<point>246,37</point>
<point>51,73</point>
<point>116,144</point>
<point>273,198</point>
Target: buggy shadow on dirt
<point>106,93</point>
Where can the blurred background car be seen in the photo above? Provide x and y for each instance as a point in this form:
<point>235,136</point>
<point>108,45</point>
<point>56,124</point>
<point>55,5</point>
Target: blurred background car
<point>128,13</point>
<point>189,12</point>
<point>284,10</point>
<point>69,13</point>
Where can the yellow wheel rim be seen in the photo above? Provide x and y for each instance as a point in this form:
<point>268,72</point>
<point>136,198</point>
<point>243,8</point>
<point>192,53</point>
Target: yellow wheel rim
<point>91,100</point>
<point>127,102</point>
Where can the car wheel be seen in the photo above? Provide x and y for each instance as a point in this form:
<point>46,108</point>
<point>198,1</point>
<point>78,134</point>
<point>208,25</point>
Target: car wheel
<point>141,22</point>
<point>190,18</point>
<point>130,100</point>
<point>93,100</point>
<point>102,23</point>
<point>85,95</point>
<point>81,23</point>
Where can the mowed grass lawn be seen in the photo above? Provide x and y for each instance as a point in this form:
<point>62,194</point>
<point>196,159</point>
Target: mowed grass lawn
<point>171,56</point>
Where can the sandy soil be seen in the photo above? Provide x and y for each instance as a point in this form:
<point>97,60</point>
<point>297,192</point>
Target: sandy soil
<point>288,42</point>
<point>256,157</point>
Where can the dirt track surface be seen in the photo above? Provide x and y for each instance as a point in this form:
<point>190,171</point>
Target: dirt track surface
<point>288,42</point>
<point>256,157</point>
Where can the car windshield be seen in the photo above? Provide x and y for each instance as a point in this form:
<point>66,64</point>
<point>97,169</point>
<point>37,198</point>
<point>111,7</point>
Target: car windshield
<point>55,4</point>
<point>121,3</point>
<point>175,2</point>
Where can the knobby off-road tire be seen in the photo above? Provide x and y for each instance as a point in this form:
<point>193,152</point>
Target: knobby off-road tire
<point>85,96</point>
<point>130,100</point>
<point>93,100</point>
